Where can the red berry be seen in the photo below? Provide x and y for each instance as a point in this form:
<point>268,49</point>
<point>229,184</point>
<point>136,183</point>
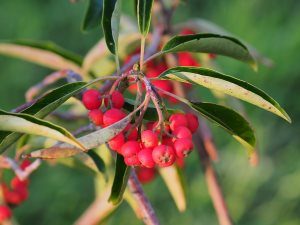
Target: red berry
<point>132,161</point>
<point>133,135</point>
<point>145,175</point>
<point>130,148</point>
<point>180,162</point>
<point>113,115</point>
<point>117,100</point>
<point>183,147</point>
<point>182,132</point>
<point>145,157</point>
<point>117,142</point>
<point>17,183</point>
<point>177,120</point>
<point>164,85</point>
<point>167,141</point>
<point>166,127</point>
<point>149,139</point>
<point>186,59</point>
<point>25,164</point>
<point>91,99</point>
<point>96,116</point>
<point>12,197</point>
<point>163,155</point>
<point>193,122</point>
<point>187,31</point>
<point>5,213</point>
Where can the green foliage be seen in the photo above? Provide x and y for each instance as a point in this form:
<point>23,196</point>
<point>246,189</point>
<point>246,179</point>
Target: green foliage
<point>93,15</point>
<point>144,8</point>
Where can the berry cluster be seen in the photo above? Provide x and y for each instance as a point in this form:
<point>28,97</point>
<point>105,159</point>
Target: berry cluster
<point>158,144</point>
<point>14,194</point>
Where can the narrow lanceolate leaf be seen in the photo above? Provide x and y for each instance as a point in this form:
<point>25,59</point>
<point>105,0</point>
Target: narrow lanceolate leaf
<point>144,8</point>
<point>111,22</point>
<point>42,107</point>
<point>230,120</point>
<point>173,180</point>
<point>210,43</point>
<point>27,124</point>
<point>89,141</point>
<point>205,26</point>
<point>97,160</point>
<point>229,85</point>
<point>93,15</point>
<point>122,173</point>
<point>46,54</point>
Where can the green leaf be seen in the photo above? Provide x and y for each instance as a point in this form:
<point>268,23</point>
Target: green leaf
<point>210,43</point>
<point>122,173</point>
<point>93,15</point>
<point>230,120</point>
<point>229,85</point>
<point>172,177</point>
<point>24,123</point>
<point>111,22</point>
<point>34,50</point>
<point>97,160</point>
<point>205,26</point>
<point>42,107</point>
<point>144,8</point>
<point>89,141</point>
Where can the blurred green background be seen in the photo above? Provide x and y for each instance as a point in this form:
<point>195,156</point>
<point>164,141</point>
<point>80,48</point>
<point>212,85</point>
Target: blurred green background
<point>266,195</point>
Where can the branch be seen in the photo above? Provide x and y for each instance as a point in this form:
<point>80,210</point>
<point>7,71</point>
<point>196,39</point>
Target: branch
<point>149,216</point>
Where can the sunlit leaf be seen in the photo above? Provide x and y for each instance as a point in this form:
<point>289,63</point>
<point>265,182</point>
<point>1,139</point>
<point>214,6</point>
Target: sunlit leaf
<point>42,107</point>
<point>229,85</point>
<point>171,177</point>
<point>210,43</point>
<point>43,53</point>
<point>144,8</point>
<point>27,124</point>
<point>93,15</point>
<point>89,141</point>
<point>122,173</point>
<point>111,22</point>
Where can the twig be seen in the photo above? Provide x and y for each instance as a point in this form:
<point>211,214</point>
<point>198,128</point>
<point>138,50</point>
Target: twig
<point>23,174</point>
<point>149,216</point>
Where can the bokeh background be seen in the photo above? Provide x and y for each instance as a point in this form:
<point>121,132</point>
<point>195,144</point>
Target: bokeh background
<point>266,195</point>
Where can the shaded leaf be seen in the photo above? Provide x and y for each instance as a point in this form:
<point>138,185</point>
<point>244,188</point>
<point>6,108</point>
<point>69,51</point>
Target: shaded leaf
<point>230,120</point>
<point>122,173</point>
<point>232,86</point>
<point>24,123</point>
<point>93,15</point>
<point>97,160</point>
<point>42,107</point>
<point>144,8</point>
<point>174,182</point>
<point>205,26</point>
<point>210,43</point>
<point>111,22</point>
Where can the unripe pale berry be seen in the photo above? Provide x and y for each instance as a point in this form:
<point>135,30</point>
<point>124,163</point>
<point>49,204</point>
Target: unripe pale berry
<point>117,142</point>
<point>130,148</point>
<point>5,213</point>
<point>193,122</point>
<point>96,116</point>
<point>145,175</point>
<point>145,157</point>
<point>132,161</point>
<point>177,120</point>
<point>112,116</point>
<point>91,99</point>
<point>149,139</point>
<point>182,132</point>
<point>116,99</point>
<point>163,155</point>
<point>183,147</point>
